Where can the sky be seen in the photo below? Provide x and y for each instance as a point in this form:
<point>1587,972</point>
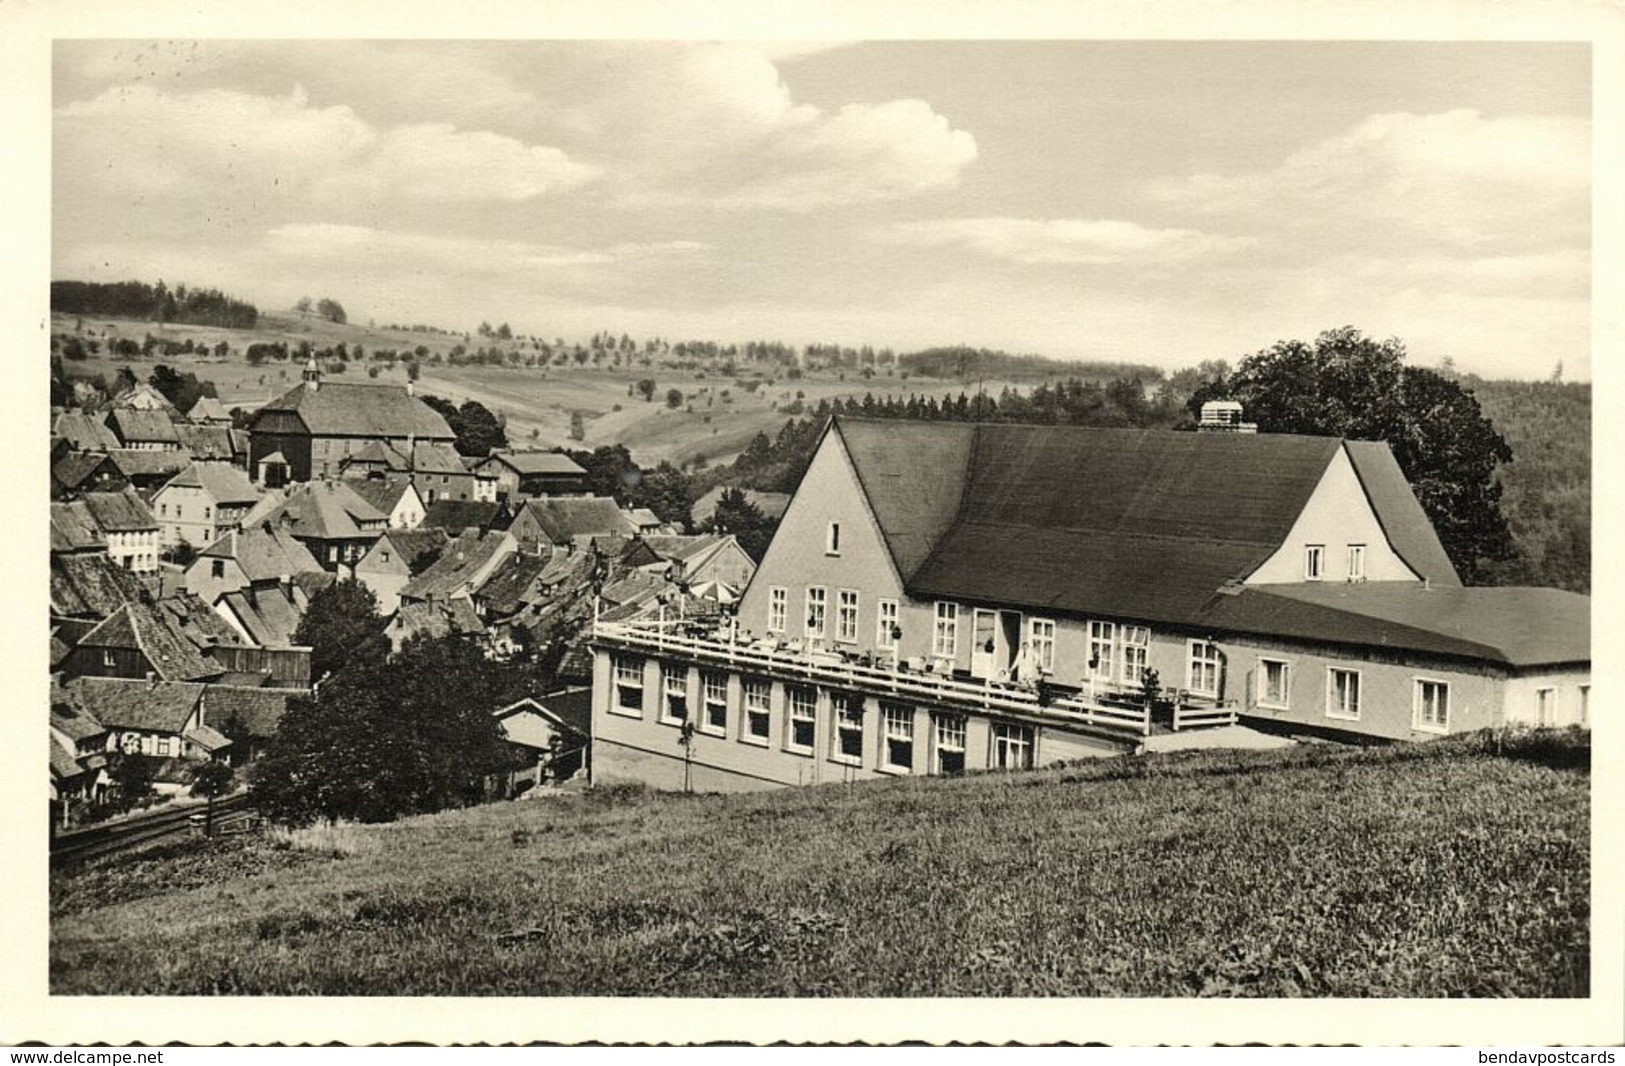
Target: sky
<point>1161,202</point>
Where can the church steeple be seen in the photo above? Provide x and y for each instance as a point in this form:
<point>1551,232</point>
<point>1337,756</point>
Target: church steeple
<point>313,376</point>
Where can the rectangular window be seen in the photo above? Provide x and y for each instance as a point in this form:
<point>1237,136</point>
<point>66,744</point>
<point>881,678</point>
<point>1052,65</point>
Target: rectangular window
<point>628,685</point>
<point>758,711</point>
<point>675,708</point>
<point>846,616</point>
<point>1274,683</point>
<point>1136,642</point>
<point>886,629</point>
<point>898,749</point>
<point>1432,705</point>
<point>945,640</point>
<point>163,511</point>
<point>1314,562</point>
<point>715,692</point>
<point>1343,694</point>
<point>817,601</point>
<point>109,660</point>
<point>384,557</point>
<point>848,714</point>
<point>217,568</point>
<point>803,707</point>
<point>1356,562</point>
<point>1202,677</point>
<point>1041,634</point>
<point>1546,706</point>
<point>1585,705</point>
<point>778,609</point>
<point>1102,646</point>
<point>1012,746</point>
<point>950,742</point>
<point>206,514</point>
<point>832,542</point>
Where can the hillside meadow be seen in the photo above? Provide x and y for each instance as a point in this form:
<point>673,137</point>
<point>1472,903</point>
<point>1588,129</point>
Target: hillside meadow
<point>1453,868</point>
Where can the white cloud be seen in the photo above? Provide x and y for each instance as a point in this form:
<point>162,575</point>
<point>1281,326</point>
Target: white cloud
<point>417,252</point>
<point>716,124</point>
<point>435,161</point>
<point>1456,177</point>
<point>217,144</point>
<point>1061,240</point>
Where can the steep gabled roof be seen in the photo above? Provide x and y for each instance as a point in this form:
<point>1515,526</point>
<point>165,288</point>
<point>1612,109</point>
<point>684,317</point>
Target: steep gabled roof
<point>72,720</point>
<point>458,516</point>
<point>327,510</point>
<point>91,586</point>
<point>436,619</point>
<point>75,529</point>
<point>224,483</point>
<point>148,462</point>
<point>155,706</point>
<point>132,424</point>
<point>686,549</point>
<point>913,480</point>
<point>341,409</point>
<point>209,409</point>
<point>170,634</point>
<point>512,584</point>
<point>383,493</point>
<point>255,711</point>
<point>1401,516</point>
<point>85,432</point>
<point>207,441</point>
<point>563,518</point>
<point>459,563</point>
<point>74,469</point>
<point>119,512</point>
<point>267,614</point>
<point>266,552</point>
<point>418,548</point>
<point>551,464</point>
<point>432,457</point>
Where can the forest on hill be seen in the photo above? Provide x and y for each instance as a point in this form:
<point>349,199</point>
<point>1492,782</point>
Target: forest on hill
<point>159,303</point>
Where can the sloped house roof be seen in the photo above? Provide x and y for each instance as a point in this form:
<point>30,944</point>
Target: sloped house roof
<point>208,441</point>
<point>120,703</point>
<point>267,615</point>
<point>458,516</point>
<point>328,510</point>
<point>551,464</point>
<point>266,552</point>
<point>148,467</point>
<point>562,519</point>
<point>1166,527</point>
<point>133,425</point>
<point>170,636</point>
<point>335,409</point>
<point>512,585</point>
<point>91,586</point>
<point>74,529</point>
<point>383,493</point>
<point>119,512</point>
<point>462,565</point>
<point>84,432</point>
<point>208,409</point>
<point>225,484</point>
<point>77,469</point>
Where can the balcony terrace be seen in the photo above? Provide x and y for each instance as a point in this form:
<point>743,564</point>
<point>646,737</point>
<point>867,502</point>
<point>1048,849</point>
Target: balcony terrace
<point>1112,708</point>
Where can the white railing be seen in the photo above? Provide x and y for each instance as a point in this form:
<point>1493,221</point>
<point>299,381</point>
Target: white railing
<point>831,669</point>
<point>1201,715</point>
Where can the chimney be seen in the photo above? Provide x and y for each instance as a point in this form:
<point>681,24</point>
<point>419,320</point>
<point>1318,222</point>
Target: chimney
<point>1224,416</point>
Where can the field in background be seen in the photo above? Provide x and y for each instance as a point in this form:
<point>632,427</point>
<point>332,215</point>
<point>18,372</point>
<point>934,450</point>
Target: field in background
<point>1453,868</point>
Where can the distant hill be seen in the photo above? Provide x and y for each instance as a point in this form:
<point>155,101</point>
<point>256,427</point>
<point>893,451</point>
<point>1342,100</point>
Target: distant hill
<point>159,303</point>
<point>969,364</point>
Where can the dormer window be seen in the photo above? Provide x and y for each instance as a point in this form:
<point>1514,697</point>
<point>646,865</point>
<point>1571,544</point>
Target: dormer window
<point>1314,562</point>
<point>832,543</point>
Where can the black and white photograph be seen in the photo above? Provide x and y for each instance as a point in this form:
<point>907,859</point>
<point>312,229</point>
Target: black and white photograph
<point>851,518</point>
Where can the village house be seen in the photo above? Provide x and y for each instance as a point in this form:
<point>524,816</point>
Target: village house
<point>258,556</point>
<point>146,471</point>
<point>543,523</point>
<point>525,474</point>
<point>142,430</point>
<point>83,432</point>
<point>75,531</point>
<point>334,522</point>
<point>201,502</point>
<point>455,517</point>
<point>397,557</point>
<point>711,565</point>
<point>214,443</point>
<point>170,639</point>
<point>435,468</point>
<point>395,497</point>
<point>550,736</point>
<point>143,397</point>
<point>78,472</point>
<point>207,411</point>
<point>85,589</point>
<point>945,596</point>
<point>463,566</point>
<point>310,430</point>
<point>127,526</point>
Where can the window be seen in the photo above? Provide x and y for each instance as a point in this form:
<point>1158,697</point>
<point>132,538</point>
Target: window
<point>832,542</point>
<point>383,557</point>
<point>206,514</point>
<point>897,753</point>
<point>675,708</point>
<point>816,601</point>
<point>1136,641</point>
<point>1202,677</point>
<point>1343,694</point>
<point>1012,746</point>
<point>1546,706</point>
<point>1102,642</point>
<point>803,705</point>
<point>758,710</point>
<point>1314,562</point>
<point>945,640</point>
<point>1274,683</point>
<point>778,609</point>
<point>886,629</point>
<point>846,616</point>
<point>163,511</point>
<point>848,727</point>
<point>217,568</point>
<point>1585,705</point>
<point>1356,562</point>
<point>1041,635</point>
<point>950,742</point>
<point>109,659</point>
<point>715,691</point>
<point>1432,705</point>
<point>628,685</point>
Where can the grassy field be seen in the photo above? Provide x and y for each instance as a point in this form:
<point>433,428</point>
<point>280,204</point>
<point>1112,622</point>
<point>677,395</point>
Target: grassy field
<point>716,421</point>
<point>1457,868</point>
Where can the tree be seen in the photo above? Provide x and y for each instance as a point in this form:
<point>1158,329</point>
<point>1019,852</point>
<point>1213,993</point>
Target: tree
<point>302,305</point>
<point>181,388</point>
<point>646,389</point>
<point>383,739</point>
<point>331,310</point>
<point>578,426</point>
<point>340,626</point>
<point>132,776</point>
<point>674,398</point>
<point>504,333</point>
<point>666,491</point>
<point>211,779</point>
<point>737,515</point>
<point>479,432</point>
<point>1347,385</point>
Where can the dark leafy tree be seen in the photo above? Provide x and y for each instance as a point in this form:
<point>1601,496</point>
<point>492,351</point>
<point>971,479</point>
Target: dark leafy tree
<point>181,388</point>
<point>383,739</point>
<point>674,398</point>
<point>331,310</point>
<point>666,491</point>
<point>341,626</point>
<point>646,388</point>
<point>132,776</point>
<point>479,432</point>
<point>1348,385</point>
<point>737,515</point>
<point>211,780</point>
